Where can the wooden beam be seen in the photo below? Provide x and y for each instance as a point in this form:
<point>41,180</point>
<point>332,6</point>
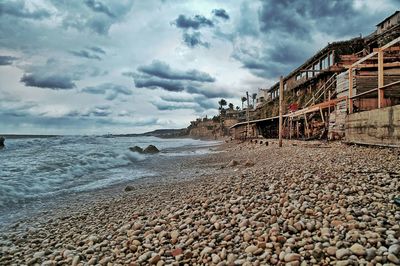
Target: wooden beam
<point>280,110</point>
<point>380,79</point>
<point>390,49</point>
<point>390,44</point>
<point>363,59</point>
<point>363,93</point>
<point>350,90</point>
<point>392,64</point>
<point>316,107</point>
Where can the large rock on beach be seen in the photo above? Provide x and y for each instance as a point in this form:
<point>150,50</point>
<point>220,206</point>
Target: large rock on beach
<point>2,140</point>
<point>151,149</point>
<point>136,149</point>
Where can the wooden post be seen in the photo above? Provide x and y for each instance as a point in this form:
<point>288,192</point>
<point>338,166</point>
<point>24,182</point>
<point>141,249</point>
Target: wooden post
<point>380,79</point>
<point>247,115</point>
<point>280,110</point>
<point>306,131</point>
<point>322,115</point>
<point>350,90</point>
<point>329,111</point>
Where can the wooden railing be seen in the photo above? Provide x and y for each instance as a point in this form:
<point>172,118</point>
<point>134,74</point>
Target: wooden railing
<point>321,91</point>
<point>381,87</point>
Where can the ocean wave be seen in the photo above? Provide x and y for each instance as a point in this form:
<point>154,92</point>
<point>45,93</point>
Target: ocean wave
<point>36,168</point>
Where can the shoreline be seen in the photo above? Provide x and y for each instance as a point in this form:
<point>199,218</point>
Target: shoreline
<point>305,203</point>
<point>48,205</point>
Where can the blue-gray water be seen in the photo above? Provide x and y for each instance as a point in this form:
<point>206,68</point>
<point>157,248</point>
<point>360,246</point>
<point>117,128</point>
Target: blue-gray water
<point>41,169</point>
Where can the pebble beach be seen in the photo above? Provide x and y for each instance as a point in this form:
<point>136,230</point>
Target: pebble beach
<point>307,203</point>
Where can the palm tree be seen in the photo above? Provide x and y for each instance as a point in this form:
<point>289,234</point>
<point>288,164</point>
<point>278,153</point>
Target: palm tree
<point>230,106</point>
<point>222,103</point>
<point>237,108</point>
<point>254,97</point>
<point>243,100</point>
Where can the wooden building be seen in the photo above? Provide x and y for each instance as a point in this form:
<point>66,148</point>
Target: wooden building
<point>318,95</point>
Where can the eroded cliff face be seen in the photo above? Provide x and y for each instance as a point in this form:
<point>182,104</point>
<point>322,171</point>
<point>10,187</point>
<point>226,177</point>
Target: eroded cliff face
<point>211,129</point>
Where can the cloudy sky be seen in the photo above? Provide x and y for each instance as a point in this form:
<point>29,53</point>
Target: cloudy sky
<point>103,66</point>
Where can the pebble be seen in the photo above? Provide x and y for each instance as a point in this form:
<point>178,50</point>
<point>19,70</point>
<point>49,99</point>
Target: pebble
<point>292,257</point>
<point>343,252</point>
<point>251,249</point>
<point>391,257</point>
<point>155,259</point>
<point>300,206</point>
<point>358,250</point>
<point>331,251</point>
<point>215,258</point>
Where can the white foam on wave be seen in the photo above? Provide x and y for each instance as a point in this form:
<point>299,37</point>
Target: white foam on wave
<point>36,168</point>
<point>134,156</point>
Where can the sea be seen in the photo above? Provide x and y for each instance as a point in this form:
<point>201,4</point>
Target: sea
<point>36,171</point>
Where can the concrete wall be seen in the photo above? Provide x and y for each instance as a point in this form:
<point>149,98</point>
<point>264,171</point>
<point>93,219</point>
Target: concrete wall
<point>375,127</point>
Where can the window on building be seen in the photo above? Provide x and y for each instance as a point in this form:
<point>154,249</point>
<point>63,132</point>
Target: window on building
<point>324,63</point>
<point>316,67</point>
<point>298,76</point>
<point>331,59</point>
<point>285,86</point>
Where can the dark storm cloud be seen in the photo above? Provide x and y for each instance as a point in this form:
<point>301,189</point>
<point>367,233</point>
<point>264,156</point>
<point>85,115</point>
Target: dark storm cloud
<point>54,74</point>
<point>195,23</point>
<point>190,86</point>
<point>193,40</point>
<point>273,61</point>
<point>154,83</point>
<point>303,18</point>
<point>198,103</point>
<point>55,82</point>
<point>6,60</point>
<point>285,53</point>
<point>163,70</point>
<point>171,106</point>
<point>98,25</point>
<point>85,54</point>
<point>98,6</point>
<point>190,37</point>
<point>77,15</point>
<point>97,50</point>
<point>287,31</point>
<point>200,100</point>
<point>221,13</point>
<point>209,92</point>
<point>111,91</point>
<point>18,9</point>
